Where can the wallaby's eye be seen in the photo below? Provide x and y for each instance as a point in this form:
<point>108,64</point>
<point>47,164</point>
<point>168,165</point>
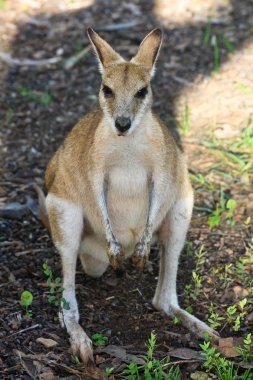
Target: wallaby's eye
<point>107,91</point>
<point>141,93</point>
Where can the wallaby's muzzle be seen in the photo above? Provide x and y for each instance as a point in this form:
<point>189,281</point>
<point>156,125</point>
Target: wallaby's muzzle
<point>123,123</point>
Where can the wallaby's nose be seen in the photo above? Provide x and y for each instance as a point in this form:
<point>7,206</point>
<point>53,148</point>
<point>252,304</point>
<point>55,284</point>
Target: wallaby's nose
<point>123,123</point>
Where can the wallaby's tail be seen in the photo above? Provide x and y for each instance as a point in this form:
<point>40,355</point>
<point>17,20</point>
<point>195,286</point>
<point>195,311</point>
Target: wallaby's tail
<point>42,207</point>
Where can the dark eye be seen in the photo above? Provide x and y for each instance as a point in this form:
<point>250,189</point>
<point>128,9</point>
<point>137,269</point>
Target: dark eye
<point>107,91</point>
<point>141,93</point>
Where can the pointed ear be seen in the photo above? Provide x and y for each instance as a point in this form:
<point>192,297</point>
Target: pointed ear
<point>149,49</point>
<point>105,53</point>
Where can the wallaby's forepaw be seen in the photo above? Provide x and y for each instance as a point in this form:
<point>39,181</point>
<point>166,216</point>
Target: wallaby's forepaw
<point>81,345</point>
<point>140,255</point>
<point>115,254</point>
<point>194,324</point>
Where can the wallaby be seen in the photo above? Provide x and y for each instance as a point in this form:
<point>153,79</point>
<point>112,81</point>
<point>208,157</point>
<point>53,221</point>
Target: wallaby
<point>118,183</point>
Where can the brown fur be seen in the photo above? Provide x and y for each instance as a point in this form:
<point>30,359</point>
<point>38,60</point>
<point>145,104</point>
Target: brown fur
<point>111,191</point>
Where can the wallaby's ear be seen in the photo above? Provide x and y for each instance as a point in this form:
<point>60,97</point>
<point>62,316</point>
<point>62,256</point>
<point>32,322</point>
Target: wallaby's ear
<point>149,49</point>
<point>105,53</point>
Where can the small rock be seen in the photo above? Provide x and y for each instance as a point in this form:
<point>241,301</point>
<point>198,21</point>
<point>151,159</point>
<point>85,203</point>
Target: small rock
<point>48,343</point>
<point>199,375</point>
<point>240,292</point>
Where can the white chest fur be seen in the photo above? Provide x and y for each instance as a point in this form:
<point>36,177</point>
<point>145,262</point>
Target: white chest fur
<point>128,181</point>
<point>128,200</point>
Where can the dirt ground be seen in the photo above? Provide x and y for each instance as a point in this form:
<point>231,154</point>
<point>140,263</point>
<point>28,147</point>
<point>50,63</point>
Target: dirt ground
<point>204,85</point>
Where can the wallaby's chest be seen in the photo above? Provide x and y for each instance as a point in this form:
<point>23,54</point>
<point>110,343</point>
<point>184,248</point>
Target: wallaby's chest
<point>128,181</point>
<point>129,173</point>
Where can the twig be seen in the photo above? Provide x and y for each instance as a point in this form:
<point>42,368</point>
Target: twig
<point>29,251</point>
<point>7,58</point>
<point>72,61</point>
<point>118,26</point>
<point>20,331</point>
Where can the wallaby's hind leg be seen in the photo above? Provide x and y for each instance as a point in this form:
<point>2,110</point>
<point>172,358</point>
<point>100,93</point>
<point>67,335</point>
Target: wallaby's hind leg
<point>172,235</point>
<point>92,266</point>
<point>66,222</point>
<point>93,256</point>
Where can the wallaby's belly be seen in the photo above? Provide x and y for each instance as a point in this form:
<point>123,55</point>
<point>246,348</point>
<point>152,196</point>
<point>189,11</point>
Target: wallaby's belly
<point>128,203</point>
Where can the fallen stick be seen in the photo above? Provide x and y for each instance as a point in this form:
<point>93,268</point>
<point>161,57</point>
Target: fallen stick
<point>72,61</point>
<point>20,331</point>
<point>118,26</point>
<point>7,58</point>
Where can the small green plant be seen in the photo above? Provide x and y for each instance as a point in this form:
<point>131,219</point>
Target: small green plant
<point>216,54</point>
<point>99,339</point>
<point>224,369</point>
<point>247,90</point>
<point>224,210</point>
<point>207,32</point>
<point>109,371</point>
<point>55,289</point>
<point>245,352</point>
<point>200,255</point>
<point>215,319</point>
<point>176,321</point>
<point>153,369</point>
<point>185,121</point>
<point>44,99</point>
<point>75,359</point>
<point>2,4</point>
<point>232,314</point>
<point>204,184</point>
<point>9,115</point>
<point>26,300</point>
<point>230,206</point>
<point>229,46</point>
<point>197,285</point>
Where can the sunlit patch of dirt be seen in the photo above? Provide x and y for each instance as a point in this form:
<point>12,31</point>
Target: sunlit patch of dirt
<point>172,13</point>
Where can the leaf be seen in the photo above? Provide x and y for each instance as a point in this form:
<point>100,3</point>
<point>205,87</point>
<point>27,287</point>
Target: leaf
<point>51,299</point>
<point>48,343</point>
<point>231,204</point>
<point>228,347</point>
<point>26,298</point>
<point>185,353</point>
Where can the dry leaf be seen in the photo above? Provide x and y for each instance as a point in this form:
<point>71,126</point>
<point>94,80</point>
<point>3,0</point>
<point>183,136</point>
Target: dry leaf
<point>185,353</point>
<point>48,343</point>
<point>227,347</point>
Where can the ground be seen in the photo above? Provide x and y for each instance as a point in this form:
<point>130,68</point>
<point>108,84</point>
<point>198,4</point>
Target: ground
<point>203,85</point>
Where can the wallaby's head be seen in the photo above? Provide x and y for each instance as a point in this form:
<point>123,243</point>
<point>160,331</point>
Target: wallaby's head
<point>125,93</point>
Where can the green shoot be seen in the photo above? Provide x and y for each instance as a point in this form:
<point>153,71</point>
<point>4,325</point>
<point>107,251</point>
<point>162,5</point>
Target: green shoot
<point>228,44</point>
<point>26,300</point>
<point>44,99</point>
<point>99,339</point>
<point>216,55</point>
<point>152,369</point>
<point>207,32</point>
<point>55,289</point>
<point>247,90</point>
<point>185,121</point>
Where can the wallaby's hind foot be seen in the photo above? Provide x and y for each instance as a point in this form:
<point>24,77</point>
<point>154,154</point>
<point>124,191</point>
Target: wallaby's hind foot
<point>194,324</point>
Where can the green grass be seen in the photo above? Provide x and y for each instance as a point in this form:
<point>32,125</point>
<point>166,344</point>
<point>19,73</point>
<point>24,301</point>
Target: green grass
<point>152,369</point>
<point>185,121</point>
<point>2,4</point>
<point>43,99</point>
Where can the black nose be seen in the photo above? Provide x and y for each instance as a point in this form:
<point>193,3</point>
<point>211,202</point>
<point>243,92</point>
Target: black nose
<point>123,123</point>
